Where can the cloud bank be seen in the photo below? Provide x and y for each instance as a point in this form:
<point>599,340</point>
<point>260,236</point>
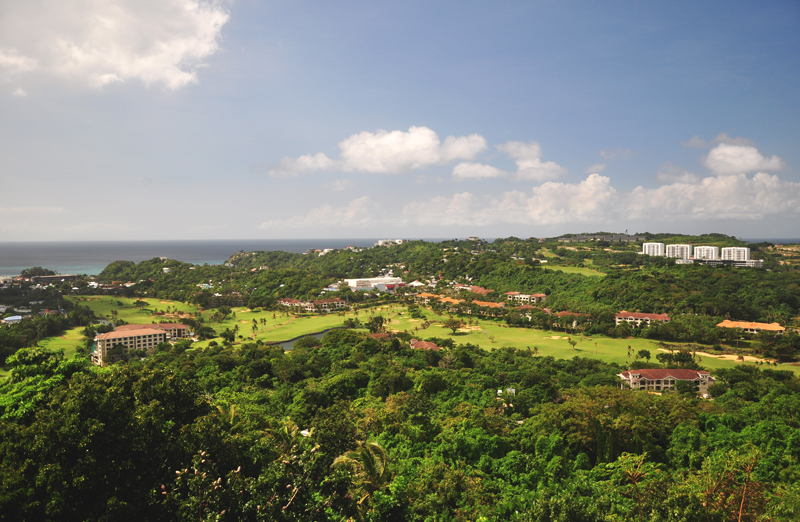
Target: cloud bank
<point>527,157</point>
<point>97,42</point>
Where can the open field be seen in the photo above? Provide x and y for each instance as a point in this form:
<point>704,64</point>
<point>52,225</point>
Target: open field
<point>576,270</point>
<point>488,334</point>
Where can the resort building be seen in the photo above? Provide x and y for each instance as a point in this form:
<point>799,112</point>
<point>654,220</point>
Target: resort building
<point>706,252</point>
<point>753,328</point>
<point>653,249</point>
<point>679,251</point>
<point>137,337</point>
<point>636,319</point>
<point>661,380</point>
<point>736,254</point>
<point>381,284</point>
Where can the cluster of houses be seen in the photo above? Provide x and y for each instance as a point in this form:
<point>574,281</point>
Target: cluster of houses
<point>706,255</point>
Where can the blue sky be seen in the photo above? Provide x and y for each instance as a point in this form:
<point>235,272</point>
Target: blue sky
<point>187,119</point>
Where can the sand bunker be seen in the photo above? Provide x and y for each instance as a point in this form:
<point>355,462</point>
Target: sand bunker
<point>727,356</point>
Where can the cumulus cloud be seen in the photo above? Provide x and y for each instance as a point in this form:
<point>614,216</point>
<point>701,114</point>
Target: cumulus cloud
<point>727,159</point>
<point>467,170</point>
<point>96,43</point>
<point>612,154</point>
<point>527,156</point>
<point>597,168</point>
<point>19,93</point>
<point>718,197</point>
<point>359,213</point>
<point>385,152</point>
<point>670,173</point>
<point>696,142</point>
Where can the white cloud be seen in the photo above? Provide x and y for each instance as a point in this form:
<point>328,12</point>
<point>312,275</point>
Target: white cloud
<point>727,159</point>
<point>359,213</point>
<point>720,197</point>
<point>529,165</point>
<point>669,173</point>
<point>19,93</point>
<point>597,168</point>
<point>615,153</point>
<point>97,42</point>
<point>696,142</point>
<point>394,152</point>
<point>467,170</point>
<point>13,62</point>
<point>293,167</point>
<point>386,152</point>
<point>591,200</point>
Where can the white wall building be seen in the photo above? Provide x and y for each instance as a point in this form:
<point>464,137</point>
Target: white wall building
<point>706,252</point>
<point>736,254</point>
<point>679,251</point>
<point>653,249</point>
<point>382,283</point>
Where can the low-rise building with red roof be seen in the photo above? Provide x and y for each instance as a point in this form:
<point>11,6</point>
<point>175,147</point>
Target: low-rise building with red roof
<point>636,319</point>
<point>661,380</point>
<point>753,328</point>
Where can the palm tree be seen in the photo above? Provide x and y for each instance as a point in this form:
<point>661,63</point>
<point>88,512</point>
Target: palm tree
<point>368,470</point>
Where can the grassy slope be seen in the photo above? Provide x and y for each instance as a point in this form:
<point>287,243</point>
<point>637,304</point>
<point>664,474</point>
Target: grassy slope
<point>576,270</point>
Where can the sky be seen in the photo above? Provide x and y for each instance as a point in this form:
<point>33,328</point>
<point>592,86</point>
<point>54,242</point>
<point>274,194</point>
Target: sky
<point>251,119</point>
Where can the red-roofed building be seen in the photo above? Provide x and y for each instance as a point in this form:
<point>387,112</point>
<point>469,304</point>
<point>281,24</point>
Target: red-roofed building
<point>479,290</point>
<point>660,380</point>
<point>636,319</point>
<point>424,345</point>
<point>326,305</point>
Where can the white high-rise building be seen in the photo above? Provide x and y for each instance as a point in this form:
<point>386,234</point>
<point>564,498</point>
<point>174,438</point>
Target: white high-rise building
<point>653,249</point>
<point>706,252</point>
<point>736,254</point>
<point>679,251</point>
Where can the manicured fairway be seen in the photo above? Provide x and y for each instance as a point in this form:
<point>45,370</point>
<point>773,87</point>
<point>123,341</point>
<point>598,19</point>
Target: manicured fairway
<point>70,341</point>
<point>103,305</point>
<point>488,334</point>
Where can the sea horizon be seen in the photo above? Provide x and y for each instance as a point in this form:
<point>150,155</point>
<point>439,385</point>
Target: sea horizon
<point>91,257</point>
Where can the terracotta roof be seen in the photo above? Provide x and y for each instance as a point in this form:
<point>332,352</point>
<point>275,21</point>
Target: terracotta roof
<point>770,327</point>
<point>660,373</point>
<point>654,317</point>
<point>562,314</point>
<point>511,293</point>
<point>131,333</point>
<point>489,304</point>
<point>479,290</point>
<point>325,301</point>
<point>539,295</point>
<point>424,345</point>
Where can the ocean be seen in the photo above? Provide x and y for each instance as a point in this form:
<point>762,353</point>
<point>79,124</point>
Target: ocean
<point>91,257</point>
